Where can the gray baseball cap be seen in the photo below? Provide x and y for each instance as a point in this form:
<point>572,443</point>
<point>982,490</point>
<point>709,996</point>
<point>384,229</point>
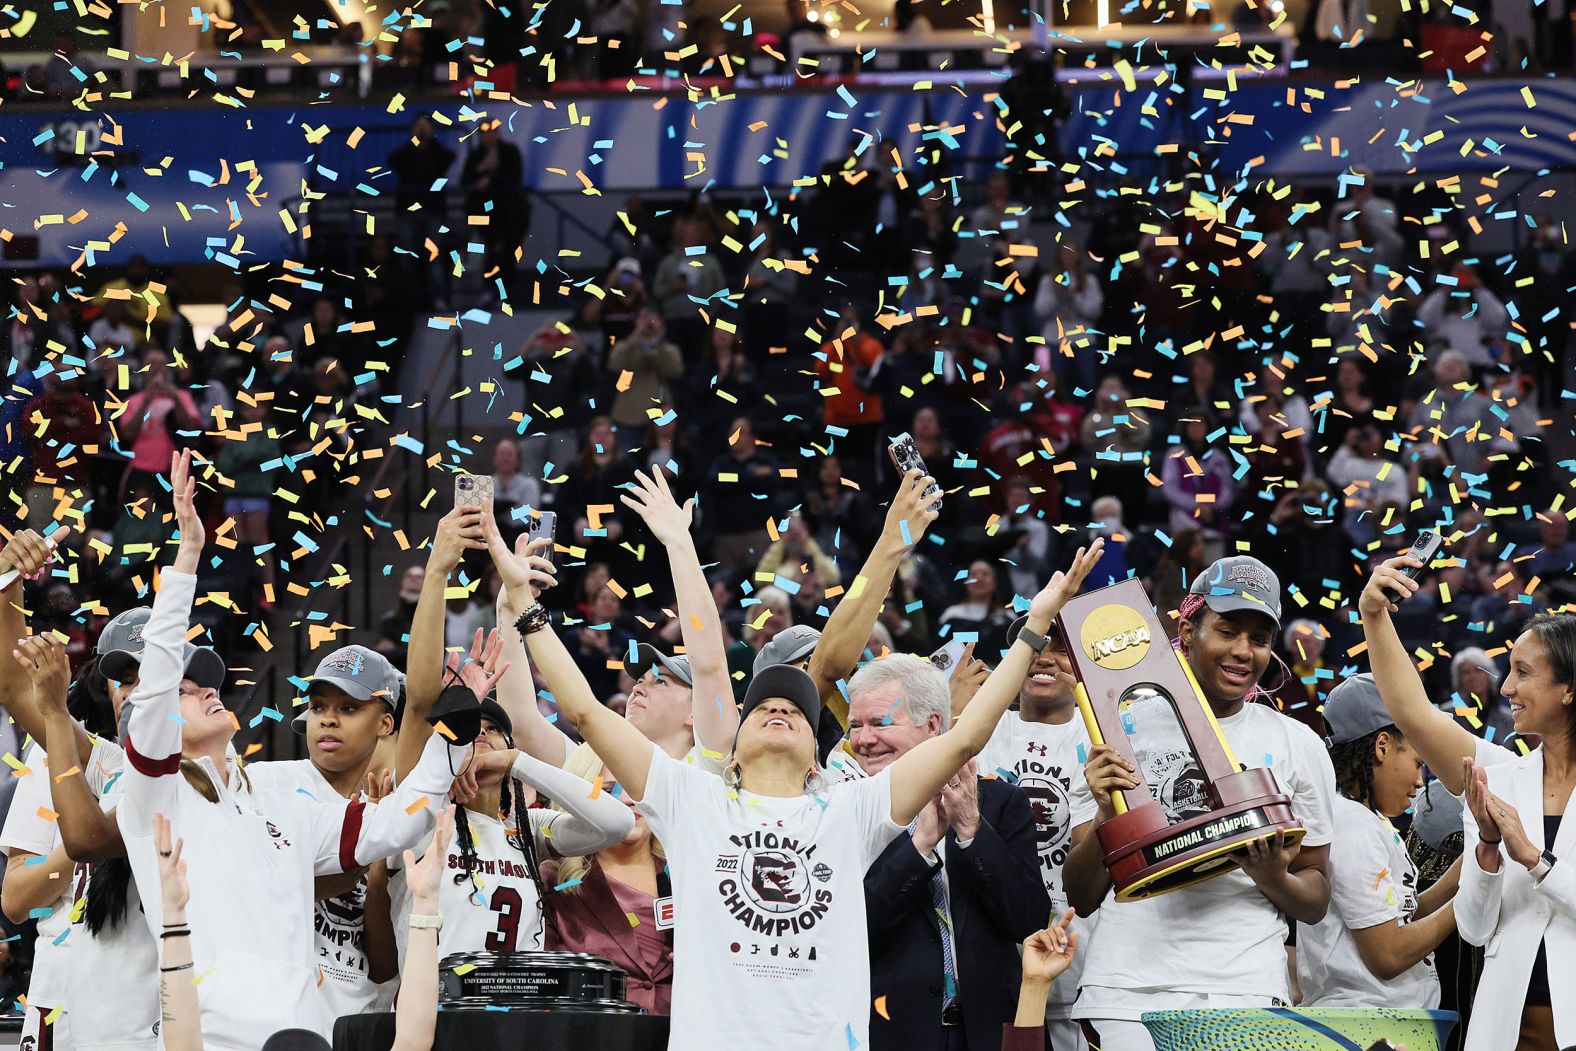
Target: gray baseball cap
<point>362,673</point>
<point>120,643</point>
<point>1237,583</point>
<point>1436,814</point>
<point>1354,709</point>
<point>786,647</point>
<point>648,656</point>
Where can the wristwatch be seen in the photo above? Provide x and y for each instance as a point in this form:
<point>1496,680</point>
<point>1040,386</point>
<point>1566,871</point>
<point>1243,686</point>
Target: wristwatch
<point>1545,863</point>
<point>1036,641</point>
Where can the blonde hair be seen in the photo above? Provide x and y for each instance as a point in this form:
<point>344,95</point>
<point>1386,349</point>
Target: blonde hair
<point>585,763</point>
<point>198,778</point>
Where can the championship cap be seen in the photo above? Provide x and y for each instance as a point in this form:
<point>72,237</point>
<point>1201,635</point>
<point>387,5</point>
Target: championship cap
<point>789,683</point>
<point>204,666</point>
<point>787,647</point>
<point>120,643</point>
<point>362,673</point>
<point>1436,814</point>
<point>1237,583</point>
<point>648,657</point>
<point>1354,709</point>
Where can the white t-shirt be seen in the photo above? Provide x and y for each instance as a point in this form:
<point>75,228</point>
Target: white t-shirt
<point>339,924</point>
<point>114,984</point>
<point>1221,936</point>
<point>28,828</point>
<point>1044,760</point>
<point>1372,881</point>
<point>495,907</point>
<point>771,951</point>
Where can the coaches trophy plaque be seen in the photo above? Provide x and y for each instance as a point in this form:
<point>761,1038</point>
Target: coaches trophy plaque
<point>532,981</point>
<point>1195,808</point>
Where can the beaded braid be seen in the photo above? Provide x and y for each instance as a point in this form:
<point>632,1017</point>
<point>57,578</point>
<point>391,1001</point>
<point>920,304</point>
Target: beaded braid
<point>1192,609</point>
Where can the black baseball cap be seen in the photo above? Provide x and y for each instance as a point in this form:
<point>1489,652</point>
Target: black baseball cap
<point>789,683</point>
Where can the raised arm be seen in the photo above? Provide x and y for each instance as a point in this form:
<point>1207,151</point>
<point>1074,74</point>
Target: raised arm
<point>352,833</point>
<point>458,531</point>
<point>153,730</point>
<point>27,553</point>
<point>1439,739</point>
<point>180,1023</point>
<point>716,715</point>
<point>416,1013</point>
<point>88,834</point>
<point>624,749</point>
<point>919,774</point>
<point>848,629</point>
<point>590,819</point>
<point>533,733</point>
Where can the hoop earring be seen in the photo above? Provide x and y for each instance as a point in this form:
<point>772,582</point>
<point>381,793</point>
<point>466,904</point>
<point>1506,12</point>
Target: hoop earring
<point>731,775</point>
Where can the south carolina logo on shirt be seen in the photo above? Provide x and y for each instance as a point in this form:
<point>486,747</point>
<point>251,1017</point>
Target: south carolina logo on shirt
<point>1046,785</point>
<point>774,885</point>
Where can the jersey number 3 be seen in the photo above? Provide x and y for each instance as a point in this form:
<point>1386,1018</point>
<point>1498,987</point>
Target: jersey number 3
<point>507,904</point>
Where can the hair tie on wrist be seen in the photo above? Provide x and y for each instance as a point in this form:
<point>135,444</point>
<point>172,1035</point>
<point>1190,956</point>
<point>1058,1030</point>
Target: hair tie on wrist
<point>178,967</point>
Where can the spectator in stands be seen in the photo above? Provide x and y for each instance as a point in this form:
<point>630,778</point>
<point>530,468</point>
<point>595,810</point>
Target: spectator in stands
<point>797,547</point>
<point>1201,387</point>
<point>394,626</point>
<point>844,366</point>
<point>1466,315</point>
<point>1301,535</point>
<point>493,189</point>
<point>646,366</point>
<point>69,73</point>
<point>513,491</point>
<point>1117,558</point>
<point>418,165</point>
<point>982,617</point>
<point>1068,306</point>
<point>1296,261</point>
<point>1455,413</point>
<point>561,386</point>
<point>147,305</point>
<point>1197,477</point>
<point>616,312</point>
<point>740,494</point>
<point>1350,405</point>
<point>1556,553</point>
<point>840,517</point>
<point>802,29</point>
<point>1023,523</point>
<point>65,428</point>
<point>1475,699</point>
<point>250,459</point>
<point>684,283</point>
<point>112,332</point>
<point>153,417</point>
<point>601,640</point>
<point>1366,478</point>
<point>1301,691</point>
<point>772,287</point>
<point>1369,221</point>
<point>733,380</point>
<point>593,483</point>
<point>1176,569</point>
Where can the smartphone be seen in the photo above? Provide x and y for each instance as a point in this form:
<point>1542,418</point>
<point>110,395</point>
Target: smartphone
<point>905,457</point>
<point>473,490</point>
<point>947,659</point>
<point>540,525</point>
<point>1425,548</point>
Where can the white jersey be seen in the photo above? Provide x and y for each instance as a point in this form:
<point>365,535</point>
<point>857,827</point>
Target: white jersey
<point>114,988</point>
<point>772,942</point>
<point>339,923</point>
<point>1221,936</point>
<point>251,856</point>
<point>30,826</point>
<point>1372,882</point>
<point>1045,760</point>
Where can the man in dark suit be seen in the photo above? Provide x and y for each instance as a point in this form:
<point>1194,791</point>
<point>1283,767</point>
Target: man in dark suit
<point>948,902</point>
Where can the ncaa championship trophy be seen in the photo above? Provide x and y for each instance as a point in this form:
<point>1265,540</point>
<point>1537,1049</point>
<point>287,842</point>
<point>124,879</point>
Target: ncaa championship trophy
<point>1195,807</point>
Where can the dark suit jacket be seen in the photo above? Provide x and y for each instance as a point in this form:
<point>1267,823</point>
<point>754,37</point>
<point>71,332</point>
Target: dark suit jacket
<point>589,919</point>
<point>997,899</point>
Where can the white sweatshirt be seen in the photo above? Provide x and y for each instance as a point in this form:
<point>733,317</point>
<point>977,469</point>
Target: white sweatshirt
<point>252,856</point>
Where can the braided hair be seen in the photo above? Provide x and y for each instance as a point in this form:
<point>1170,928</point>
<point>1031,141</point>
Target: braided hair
<point>1192,609</point>
<point>521,837</point>
<point>1354,766</point>
<point>109,881</point>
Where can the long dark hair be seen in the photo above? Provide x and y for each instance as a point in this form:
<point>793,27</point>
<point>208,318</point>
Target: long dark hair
<point>521,837</point>
<point>109,881</point>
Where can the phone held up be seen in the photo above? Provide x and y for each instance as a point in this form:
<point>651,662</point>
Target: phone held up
<point>1425,549</point>
<point>473,490</point>
<point>905,457</point>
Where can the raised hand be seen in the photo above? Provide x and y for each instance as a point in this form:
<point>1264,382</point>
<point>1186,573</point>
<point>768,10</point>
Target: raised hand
<point>1477,798</point>
<point>44,661</point>
<point>960,801</point>
<point>459,531</point>
<point>1388,581</point>
<point>1064,585</point>
<point>184,487</point>
<point>28,553</point>
<point>910,505</point>
<point>377,785</point>
<point>966,679</point>
<point>1517,843</point>
<point>650,498</point>
<point>1048,953</point>
<point>524,571</point>
<point>480,671</point>
<point>172,869</point>
<point>421,877</point>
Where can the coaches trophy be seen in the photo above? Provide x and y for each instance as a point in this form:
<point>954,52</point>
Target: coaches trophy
<point>532,981</point>
<point>1195,808</point>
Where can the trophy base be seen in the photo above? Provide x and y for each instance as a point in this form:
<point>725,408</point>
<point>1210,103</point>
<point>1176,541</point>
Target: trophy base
<point>1148,857</point>
<point>531,981</point>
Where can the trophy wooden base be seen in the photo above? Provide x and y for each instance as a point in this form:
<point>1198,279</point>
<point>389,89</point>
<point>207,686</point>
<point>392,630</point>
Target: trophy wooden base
<point>1147,856</point>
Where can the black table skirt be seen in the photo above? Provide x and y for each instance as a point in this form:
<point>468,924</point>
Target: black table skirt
<point>514,1031</point>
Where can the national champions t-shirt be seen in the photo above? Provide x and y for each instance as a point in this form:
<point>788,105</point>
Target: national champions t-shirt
<point>771,937</point>
<point>1372,881</point>
<point>1220,936</point>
